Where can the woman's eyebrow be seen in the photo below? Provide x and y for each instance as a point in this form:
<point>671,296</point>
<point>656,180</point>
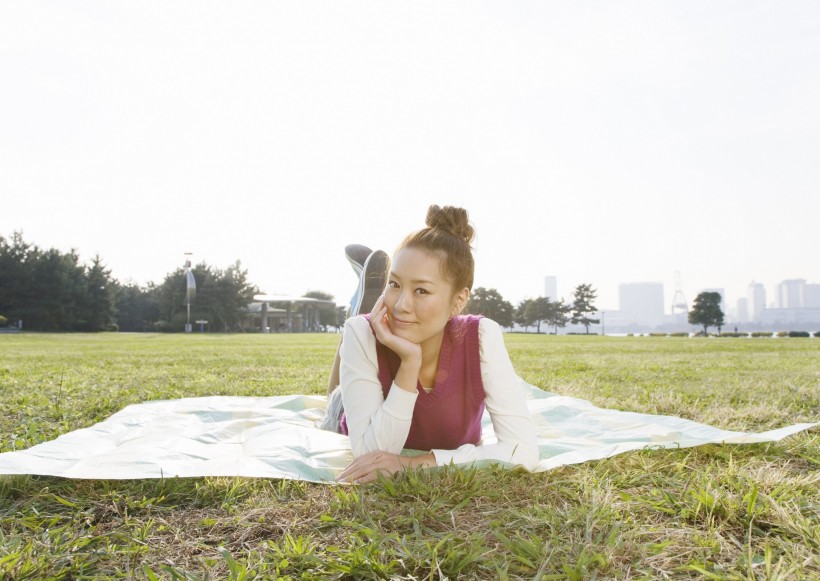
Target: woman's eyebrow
<point>414,281</point>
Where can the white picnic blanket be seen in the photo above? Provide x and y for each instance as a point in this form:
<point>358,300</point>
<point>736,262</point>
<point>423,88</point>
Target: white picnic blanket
<point>277,437</point>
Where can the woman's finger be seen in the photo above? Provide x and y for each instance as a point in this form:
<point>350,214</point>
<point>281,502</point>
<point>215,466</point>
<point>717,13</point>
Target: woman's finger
<point>358,467</point>
<point>367,467</point>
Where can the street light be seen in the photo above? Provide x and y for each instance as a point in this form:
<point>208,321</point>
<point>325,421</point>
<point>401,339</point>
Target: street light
<point>190,290</point>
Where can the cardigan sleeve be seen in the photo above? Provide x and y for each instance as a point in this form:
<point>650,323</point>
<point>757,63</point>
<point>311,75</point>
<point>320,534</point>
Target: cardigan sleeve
<point>506,403</point>
<point>373,421</point>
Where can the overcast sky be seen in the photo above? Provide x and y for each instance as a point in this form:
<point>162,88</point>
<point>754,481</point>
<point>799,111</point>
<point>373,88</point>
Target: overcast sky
<point>600,142</point>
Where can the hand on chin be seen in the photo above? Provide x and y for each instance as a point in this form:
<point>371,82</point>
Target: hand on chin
<point>391,334</point>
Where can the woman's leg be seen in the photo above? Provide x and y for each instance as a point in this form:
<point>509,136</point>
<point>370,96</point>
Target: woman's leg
<point>334,380</point>
<point>372,280</point>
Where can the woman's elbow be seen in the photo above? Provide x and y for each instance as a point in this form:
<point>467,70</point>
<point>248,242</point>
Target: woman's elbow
<point>527,457</point>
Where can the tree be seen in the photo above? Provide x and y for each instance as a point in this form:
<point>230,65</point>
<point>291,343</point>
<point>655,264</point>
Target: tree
<point>523,314</point>
<point>51,291</point>
<point>137,308</point>
<point>328,313</point>
<point>15,276</point>
<point>231,297</point>
<point>557,314</point>
<point>57,295</point>
<point>583,304</point>
<point>537,310</point>
<point>101,296</point>
<point>221,297</point>
<point>170,297</point>
<point>491,304</point>
<point>706,311</point>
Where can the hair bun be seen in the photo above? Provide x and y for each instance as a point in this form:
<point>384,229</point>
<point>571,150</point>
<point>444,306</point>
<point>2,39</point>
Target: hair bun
<point>451,219</point>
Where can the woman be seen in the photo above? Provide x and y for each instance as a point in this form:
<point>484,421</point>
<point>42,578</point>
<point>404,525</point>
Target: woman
<point>417,374</point>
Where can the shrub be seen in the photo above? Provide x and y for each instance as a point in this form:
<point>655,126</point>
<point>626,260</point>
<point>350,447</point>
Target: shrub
<point>781,334</point>
<point>657,334</point>
<point>3,321</point>
<point>762,334</point>
<point>679,334</point>
<point>817,333</point>
<point>799,334</point>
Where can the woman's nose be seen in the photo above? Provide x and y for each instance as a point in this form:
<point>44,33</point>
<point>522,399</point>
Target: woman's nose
<point>401,301</point>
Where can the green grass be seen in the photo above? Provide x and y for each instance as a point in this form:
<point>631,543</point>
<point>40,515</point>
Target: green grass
<point>714,512</point>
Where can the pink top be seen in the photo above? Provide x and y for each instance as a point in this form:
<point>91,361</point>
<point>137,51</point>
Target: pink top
<point>449,416</point>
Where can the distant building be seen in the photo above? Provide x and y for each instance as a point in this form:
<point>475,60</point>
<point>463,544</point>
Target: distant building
<point>755,301</point>
<point>551,287</point>
<point>791,294</point>
<point>742,310</point>
<point>811,296</point>
<point>801,315</point>
<point>642,300</point>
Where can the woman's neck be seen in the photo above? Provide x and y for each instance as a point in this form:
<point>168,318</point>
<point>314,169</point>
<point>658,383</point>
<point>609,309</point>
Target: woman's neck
<point>431,349</point>
<point>430,352</point>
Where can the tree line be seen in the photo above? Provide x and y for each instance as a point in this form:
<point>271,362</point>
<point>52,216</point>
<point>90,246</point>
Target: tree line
<point>51,290</point>
<point>706,310</point>
<point>534,312</point>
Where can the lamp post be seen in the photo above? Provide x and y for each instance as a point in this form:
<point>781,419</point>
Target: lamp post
<point>190,290</point>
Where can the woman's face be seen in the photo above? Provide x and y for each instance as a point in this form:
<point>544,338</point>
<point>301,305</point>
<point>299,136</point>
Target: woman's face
<point>418,298</point>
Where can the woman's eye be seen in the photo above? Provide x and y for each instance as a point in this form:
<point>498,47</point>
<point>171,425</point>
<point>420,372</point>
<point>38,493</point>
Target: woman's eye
<point>393,284</point>
<point>422,291</point>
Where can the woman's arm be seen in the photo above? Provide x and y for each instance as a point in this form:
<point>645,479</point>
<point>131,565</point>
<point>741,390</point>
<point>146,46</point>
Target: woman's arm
<point>505,401</point>
<point>373,422</point>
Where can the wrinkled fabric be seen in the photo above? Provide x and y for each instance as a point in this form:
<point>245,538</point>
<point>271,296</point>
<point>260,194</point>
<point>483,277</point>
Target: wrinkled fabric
<point>278,437</point>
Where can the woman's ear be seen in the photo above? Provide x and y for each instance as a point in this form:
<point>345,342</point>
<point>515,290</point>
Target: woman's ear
<point>460,301</point>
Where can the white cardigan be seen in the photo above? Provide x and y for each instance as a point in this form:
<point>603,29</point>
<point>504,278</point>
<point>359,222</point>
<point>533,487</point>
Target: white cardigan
<point>378,423</point>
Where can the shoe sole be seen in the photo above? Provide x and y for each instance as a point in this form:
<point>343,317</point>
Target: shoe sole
<point>356,255</point>
<point>371,282</point>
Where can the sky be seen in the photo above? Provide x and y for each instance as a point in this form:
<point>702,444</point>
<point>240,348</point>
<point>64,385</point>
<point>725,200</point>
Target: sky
<point>601,142</point>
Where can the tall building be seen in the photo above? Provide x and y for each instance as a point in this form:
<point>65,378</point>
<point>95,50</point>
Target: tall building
<point>791,294</point>
<point>756,301</point>
<point>811,296</point>
<point>643,300</point>
<point>742,310</point>
<point>551,287</point>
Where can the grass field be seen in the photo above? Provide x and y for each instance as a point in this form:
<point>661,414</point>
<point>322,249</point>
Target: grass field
<point>714,512</point>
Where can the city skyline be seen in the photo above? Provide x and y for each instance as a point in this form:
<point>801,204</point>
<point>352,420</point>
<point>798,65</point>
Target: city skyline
<point>812,293</point>
<point>650,301</point>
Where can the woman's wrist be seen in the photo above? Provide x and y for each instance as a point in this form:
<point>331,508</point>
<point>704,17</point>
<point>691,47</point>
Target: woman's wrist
<point>407,376</point>
<point>427,460</point>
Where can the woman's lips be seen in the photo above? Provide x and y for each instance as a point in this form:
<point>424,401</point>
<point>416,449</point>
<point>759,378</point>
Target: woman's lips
<point>402,323</point>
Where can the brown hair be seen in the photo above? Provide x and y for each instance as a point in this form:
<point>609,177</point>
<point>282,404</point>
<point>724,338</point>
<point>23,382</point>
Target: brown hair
<point>448,234</point>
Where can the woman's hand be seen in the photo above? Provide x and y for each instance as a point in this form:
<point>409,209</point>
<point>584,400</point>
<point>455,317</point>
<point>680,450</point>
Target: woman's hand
<point>406,350</point>
<point>367,467</point>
